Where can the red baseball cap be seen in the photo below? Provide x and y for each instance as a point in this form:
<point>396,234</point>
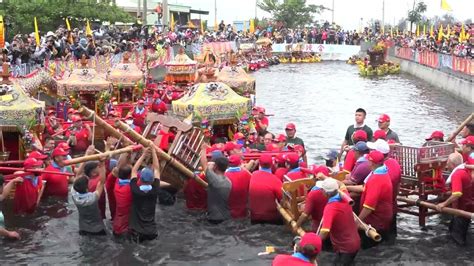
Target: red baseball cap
<point>234,160</point>
<point>64,146</point>
<point>238,136</point>
<point>468,141</point>
<point>37,155</point>
<point>76,118</point>
<point>376,157</point>
<point>32,162</point>
<point>280,138</point>
<point>292,158</point>
<point>141,101</point>
<point>266,159</point>
<point>231,146</point>
<point>312,239</point>
<point>290,126</point>
<point>316,169</point>
<point>280,158</point>
<point>59,152</point>
<point>436,135</point>
<point>50,112</point>
<point>380,134</point>
<point>359,135</point>
<point>383,118</point>
<point>298,148</point>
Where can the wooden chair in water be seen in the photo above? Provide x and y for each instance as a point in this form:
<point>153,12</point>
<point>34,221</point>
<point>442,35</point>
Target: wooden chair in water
<point>293,199</point>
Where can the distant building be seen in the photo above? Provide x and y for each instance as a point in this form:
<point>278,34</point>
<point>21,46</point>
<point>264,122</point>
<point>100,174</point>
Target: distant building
<point>181,13</point>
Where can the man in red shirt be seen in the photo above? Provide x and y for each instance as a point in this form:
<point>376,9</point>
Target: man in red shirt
<point>240,179</point>
<point>123,195</point>
<point>56,184</point>
<point>261,121</point>
<point>305,254</point>
<point>461,198</point>
<point>194,194</point>
<point>377,199</point>
<point>80,135</point>
<point>28,192</point>
<point>158,106</point>
<point>315,201</point>
<point>139,114</point>
<point>281,169</point>
<point>231,148</point>
<point>338,222</point>
<point>467,147</point>
<point>436,135</point>
<point>264,189</point>
<point>51,123</point>
<point>350,160</point>
<point>293,165</point>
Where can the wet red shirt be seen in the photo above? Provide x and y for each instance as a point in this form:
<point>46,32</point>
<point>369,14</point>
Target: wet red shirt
<point>110,187</point>
<point>240,180</point>
<point>139,117</point>
<point>82,139</point>
<point>338,221</point>
<point>158,106</point>
<point>26,194</point>
<point>378,196</point>
<point>195,195</point>
<point>314,206</point>
<point>395,173</point>
<point>289,260</point>
<point>263,121</point>
<point>264,188</point>
<point>56,185</point>
<point>281,172</point>
<point>461,184</point>
<point>349,161</point>
<point>123,201</point>
<point>92,187</point>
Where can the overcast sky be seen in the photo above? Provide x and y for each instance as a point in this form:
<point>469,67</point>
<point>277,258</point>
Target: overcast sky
<point>348,13</point>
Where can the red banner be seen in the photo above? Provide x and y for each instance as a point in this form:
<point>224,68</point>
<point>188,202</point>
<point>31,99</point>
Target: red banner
<point>404,52</point>
<point>463,65</point>
<point>428,58</point>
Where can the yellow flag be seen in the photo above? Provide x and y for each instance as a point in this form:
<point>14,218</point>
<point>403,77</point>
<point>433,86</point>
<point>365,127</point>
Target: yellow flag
<point>172,22</point>
<point>417,30</point>
<point>191,24</point>
<point>37,36</point>
<point>440,33</point>
<point>252,26</point>
<point>462,34</point>
<point>202,26</point>
<point>68,26</point>
<point>424,29</point>
<point>2,34</point>
<point>445,6</point>
<point>432,31</point>
<point>448,33</point>
<point>88,29</point>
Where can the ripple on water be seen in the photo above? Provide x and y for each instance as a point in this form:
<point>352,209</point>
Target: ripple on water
<point>320,99</point>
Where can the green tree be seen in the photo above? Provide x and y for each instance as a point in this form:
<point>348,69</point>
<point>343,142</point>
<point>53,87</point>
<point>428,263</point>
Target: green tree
<point>415,15</point>
<point>292,12</point>
<point>52,13</point>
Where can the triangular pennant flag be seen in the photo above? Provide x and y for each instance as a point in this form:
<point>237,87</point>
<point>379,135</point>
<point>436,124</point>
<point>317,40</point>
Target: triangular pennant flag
<point>445,6</point>
<point>37,37</point>
<point>432,31</point>
<point>440,33</point>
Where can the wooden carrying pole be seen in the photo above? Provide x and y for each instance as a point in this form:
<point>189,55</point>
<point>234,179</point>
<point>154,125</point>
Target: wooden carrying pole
<point>452,211</point>
<point>159,152</point>
<point>370,231</point>
<point>35,170</point>
<point>98,156</point>
<point>284,213</point>
<point>463,124</point>
<point>88,114</point>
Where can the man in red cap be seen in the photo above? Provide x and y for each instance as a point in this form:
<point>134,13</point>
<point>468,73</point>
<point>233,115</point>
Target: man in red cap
<point>56,184</point>
<point>359,124</point>
<point>461,198</point>
<point>350,159</point>
<point>280,142</point>
<point>338,223</point>
<point>51,123</point>
<point>437,135</point>
<point>80,136</point>
<point>376,205</point>
<point>28,192</point>
<point>231,148</point>
<point>240,179</point>
<point>467,147</point>
<point>264,189</point>
<point>158,106</point>
<point>293,165</point>
<point>139,114</point>
<point>306,252</point>
<point>281,169</point>
<point>379,134</point>
<point>292,139</point>
<point>70,113</point>
<point>261,121</point>
<point>468,130</point>
<point>315,201</point>
<point>361,169</point>
<point>384,124</point>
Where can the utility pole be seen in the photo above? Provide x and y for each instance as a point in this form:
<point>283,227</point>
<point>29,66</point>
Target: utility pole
<point>139,10</point>
<point>383,16</point>
<point>256,6</point>
<point>215,12</point>
<point>332,19</point>
<point>145,12</point>
<point>165,13</point>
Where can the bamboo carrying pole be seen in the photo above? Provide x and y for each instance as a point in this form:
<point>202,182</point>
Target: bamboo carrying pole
<point>160,153</point>
<point>463,124</point>
<point>88,114</point>
<point>370,231</point>
<point>131,148</point>
<point>452,211</point>
<point>289,220</point>
<point>34,170</point>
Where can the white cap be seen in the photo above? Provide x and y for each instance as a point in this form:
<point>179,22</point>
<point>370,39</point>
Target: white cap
<point>379,145</point>
<point>329,185</point>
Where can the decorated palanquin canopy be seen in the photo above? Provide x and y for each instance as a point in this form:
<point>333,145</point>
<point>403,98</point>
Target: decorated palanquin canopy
<point>237,79</point>
<point>125,74</point>
<point>211,101</point>
<point>181,68</point>
<point>85,80</point>
<point>17,109</point>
